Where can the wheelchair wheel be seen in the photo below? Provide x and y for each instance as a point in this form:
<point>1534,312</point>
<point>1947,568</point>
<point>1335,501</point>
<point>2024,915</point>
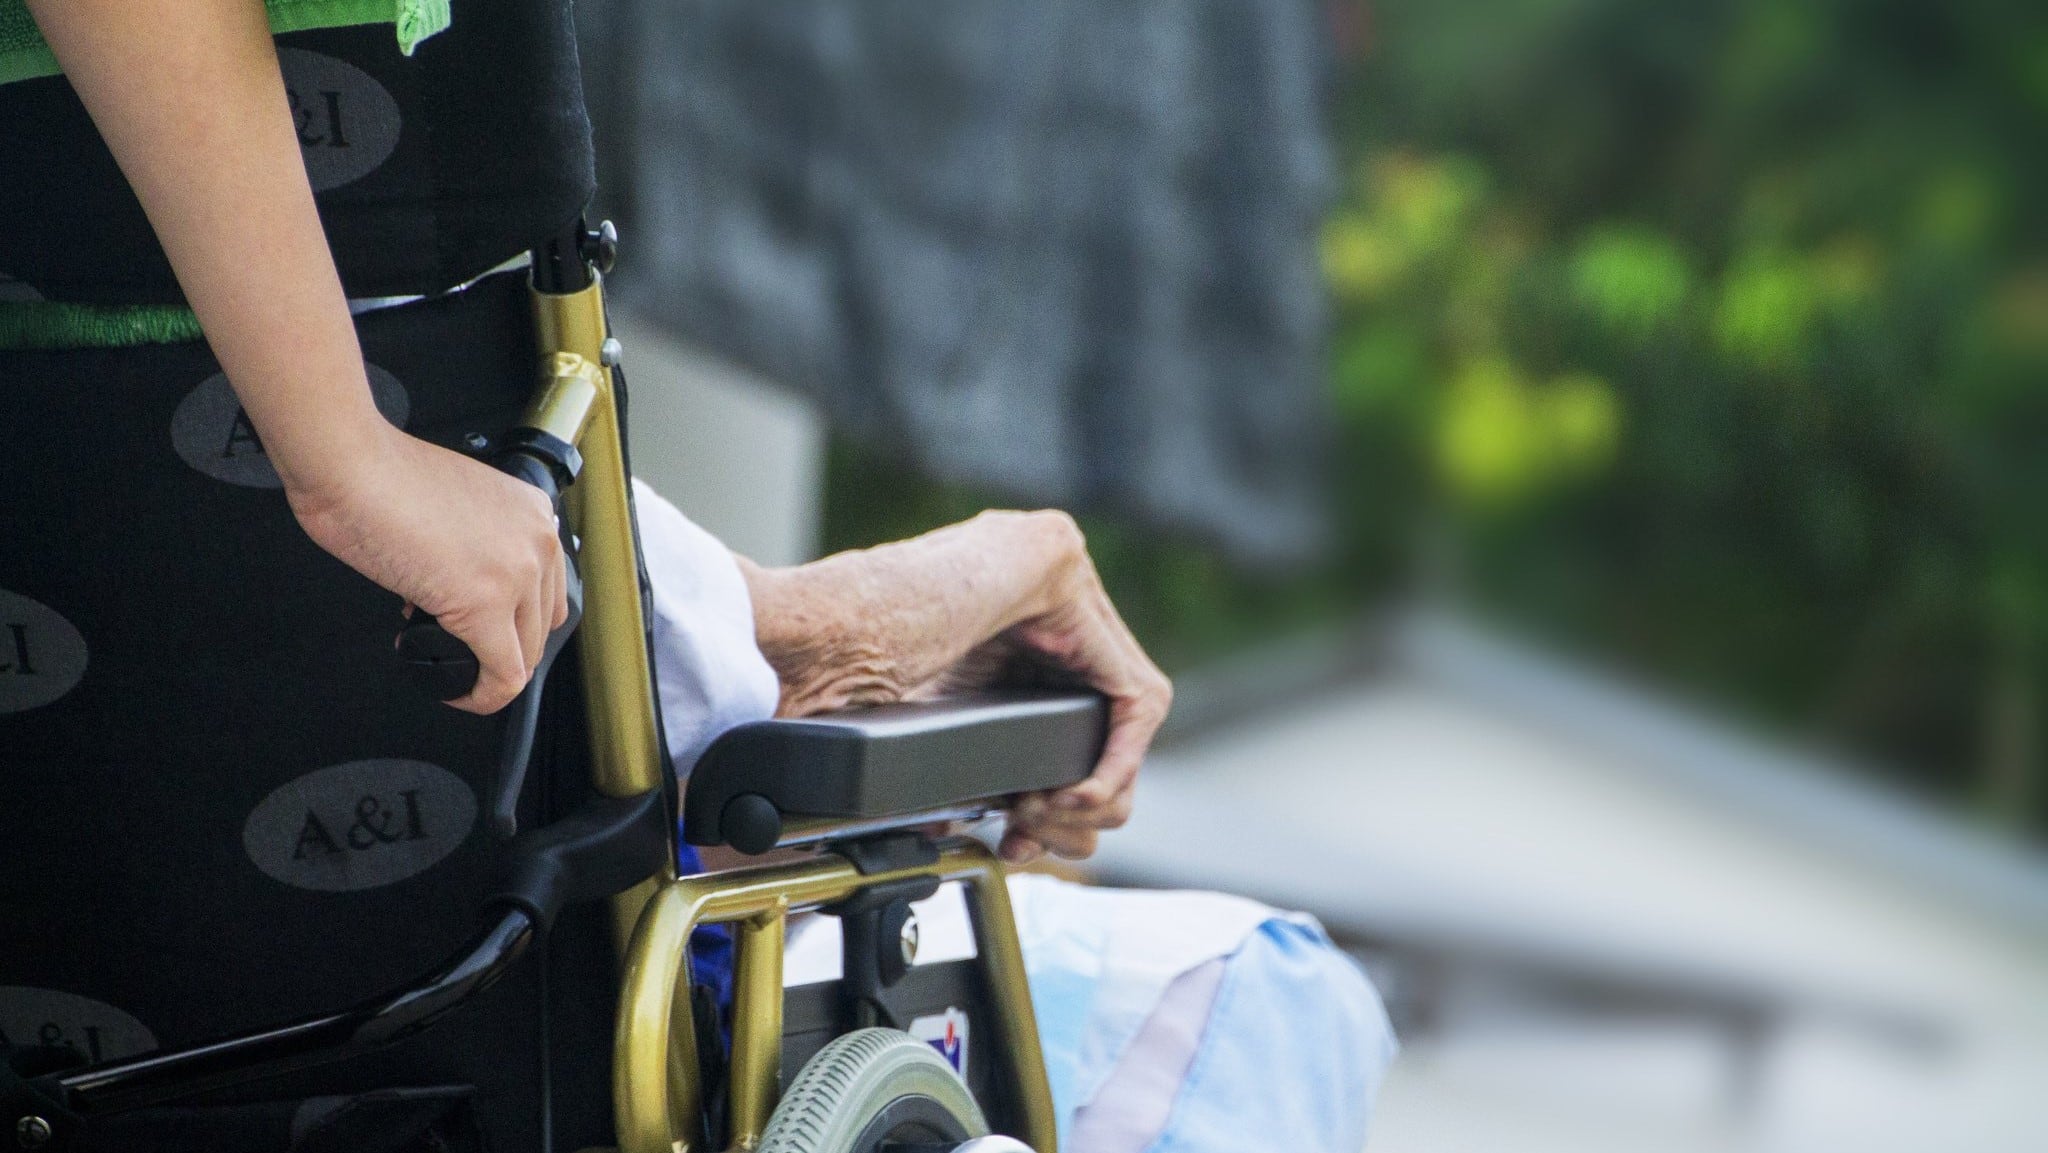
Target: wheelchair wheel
<point>871,1089</point>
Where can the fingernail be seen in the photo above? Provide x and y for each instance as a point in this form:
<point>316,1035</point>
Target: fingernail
<point>1070,801</point>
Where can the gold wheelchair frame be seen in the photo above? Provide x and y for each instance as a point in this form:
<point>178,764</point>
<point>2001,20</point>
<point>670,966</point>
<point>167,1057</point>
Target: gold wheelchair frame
<point>656,1093</point>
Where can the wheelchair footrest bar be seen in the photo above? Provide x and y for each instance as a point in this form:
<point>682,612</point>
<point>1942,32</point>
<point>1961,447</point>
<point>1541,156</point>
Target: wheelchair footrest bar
<point>606,846</point>
<point>155,1078</point>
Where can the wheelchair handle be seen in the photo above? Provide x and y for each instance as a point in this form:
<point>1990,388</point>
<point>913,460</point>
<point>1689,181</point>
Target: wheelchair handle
<point>443,667</point>
<point>437,661</point>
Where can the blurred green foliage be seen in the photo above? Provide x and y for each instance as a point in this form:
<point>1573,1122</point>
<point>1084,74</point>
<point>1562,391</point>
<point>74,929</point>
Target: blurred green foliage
<point>1727,326</point>
<point>1707,339</point>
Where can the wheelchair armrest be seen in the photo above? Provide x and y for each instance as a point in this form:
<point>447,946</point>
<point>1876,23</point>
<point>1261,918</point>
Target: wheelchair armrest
<point>785,782</point>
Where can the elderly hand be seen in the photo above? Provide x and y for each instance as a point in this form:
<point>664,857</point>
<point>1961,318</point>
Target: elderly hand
<point>957,608</point>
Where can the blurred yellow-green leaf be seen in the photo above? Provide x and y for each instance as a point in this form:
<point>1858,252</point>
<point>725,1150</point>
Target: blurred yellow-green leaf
<point>1360,258</point>
<point>1490,442</point>
<point>1429,201</point>
<point>1768,305</point>
<point>1583,418</point>
<point>1634,280</point>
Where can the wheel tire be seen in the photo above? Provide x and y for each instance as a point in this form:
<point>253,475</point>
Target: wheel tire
<point>846,1098</point>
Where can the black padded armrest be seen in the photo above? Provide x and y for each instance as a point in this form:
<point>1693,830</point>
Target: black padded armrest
<point>760,783</point>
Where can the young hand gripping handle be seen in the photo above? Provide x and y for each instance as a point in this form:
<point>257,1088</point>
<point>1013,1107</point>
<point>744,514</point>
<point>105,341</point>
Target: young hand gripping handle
<point>188,96</point>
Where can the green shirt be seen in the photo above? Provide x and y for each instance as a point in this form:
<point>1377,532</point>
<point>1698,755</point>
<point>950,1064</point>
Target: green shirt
<point>23,55</point>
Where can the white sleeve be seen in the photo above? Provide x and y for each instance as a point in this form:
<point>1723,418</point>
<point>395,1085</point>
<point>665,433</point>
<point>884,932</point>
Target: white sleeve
<point>712,674</point>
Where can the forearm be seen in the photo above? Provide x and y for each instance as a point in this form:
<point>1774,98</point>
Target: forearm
<point>872,625</point>
<point>175,86</point>
<point>949,609</point>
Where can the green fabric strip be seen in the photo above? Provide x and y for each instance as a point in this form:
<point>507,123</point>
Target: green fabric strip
<point>34,325</point>
<point>24,56</point>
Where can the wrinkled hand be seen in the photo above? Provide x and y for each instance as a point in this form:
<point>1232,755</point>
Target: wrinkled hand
<point>956,609</point>
<point>455,538</point>
<point>1079,633</point>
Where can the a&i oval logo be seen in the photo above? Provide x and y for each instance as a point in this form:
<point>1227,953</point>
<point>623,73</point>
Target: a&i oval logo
<point>17,291</point>
<point>51,1019</point>
<point>213,434</point>
<point>348,124</point>
<point>360,825</point>
<point>41,655</point>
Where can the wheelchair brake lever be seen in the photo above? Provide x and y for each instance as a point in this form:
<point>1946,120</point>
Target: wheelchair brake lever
<point>443,667</point>
<point>517,751</point>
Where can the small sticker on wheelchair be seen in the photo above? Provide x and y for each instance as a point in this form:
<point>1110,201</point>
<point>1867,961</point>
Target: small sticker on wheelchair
<point>947,1033</point>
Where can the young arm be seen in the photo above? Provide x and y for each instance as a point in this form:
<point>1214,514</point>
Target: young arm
<point>188,96</point>
<point>947,610</point>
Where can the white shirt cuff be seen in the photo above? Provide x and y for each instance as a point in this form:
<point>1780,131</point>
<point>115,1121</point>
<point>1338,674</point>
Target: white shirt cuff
<point>712,673</point>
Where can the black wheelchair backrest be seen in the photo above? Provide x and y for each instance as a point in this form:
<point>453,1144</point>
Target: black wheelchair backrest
<point>223,805</point>
<point>428,170</point>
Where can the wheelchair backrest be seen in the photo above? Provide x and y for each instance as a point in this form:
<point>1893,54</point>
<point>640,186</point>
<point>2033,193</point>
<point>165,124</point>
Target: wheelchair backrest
<point>221,805</point>
<point>427,170</point>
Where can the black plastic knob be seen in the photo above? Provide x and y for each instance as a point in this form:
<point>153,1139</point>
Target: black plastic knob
<point>601,247</point>
<point>751,823</point>
<point>442,666</point>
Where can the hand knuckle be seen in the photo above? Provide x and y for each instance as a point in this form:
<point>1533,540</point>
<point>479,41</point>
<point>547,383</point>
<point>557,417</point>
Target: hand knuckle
<point>1155,690</point>
<point>1064,529</point>
<point>496,583</point>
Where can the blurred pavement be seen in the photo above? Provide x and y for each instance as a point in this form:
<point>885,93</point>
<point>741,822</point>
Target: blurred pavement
<point>1593,939</point>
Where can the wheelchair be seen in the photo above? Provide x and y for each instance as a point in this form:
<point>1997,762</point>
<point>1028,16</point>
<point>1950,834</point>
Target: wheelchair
<point>264,892</point>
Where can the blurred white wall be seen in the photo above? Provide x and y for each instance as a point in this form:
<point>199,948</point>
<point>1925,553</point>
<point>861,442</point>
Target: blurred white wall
<point>741,457</point>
